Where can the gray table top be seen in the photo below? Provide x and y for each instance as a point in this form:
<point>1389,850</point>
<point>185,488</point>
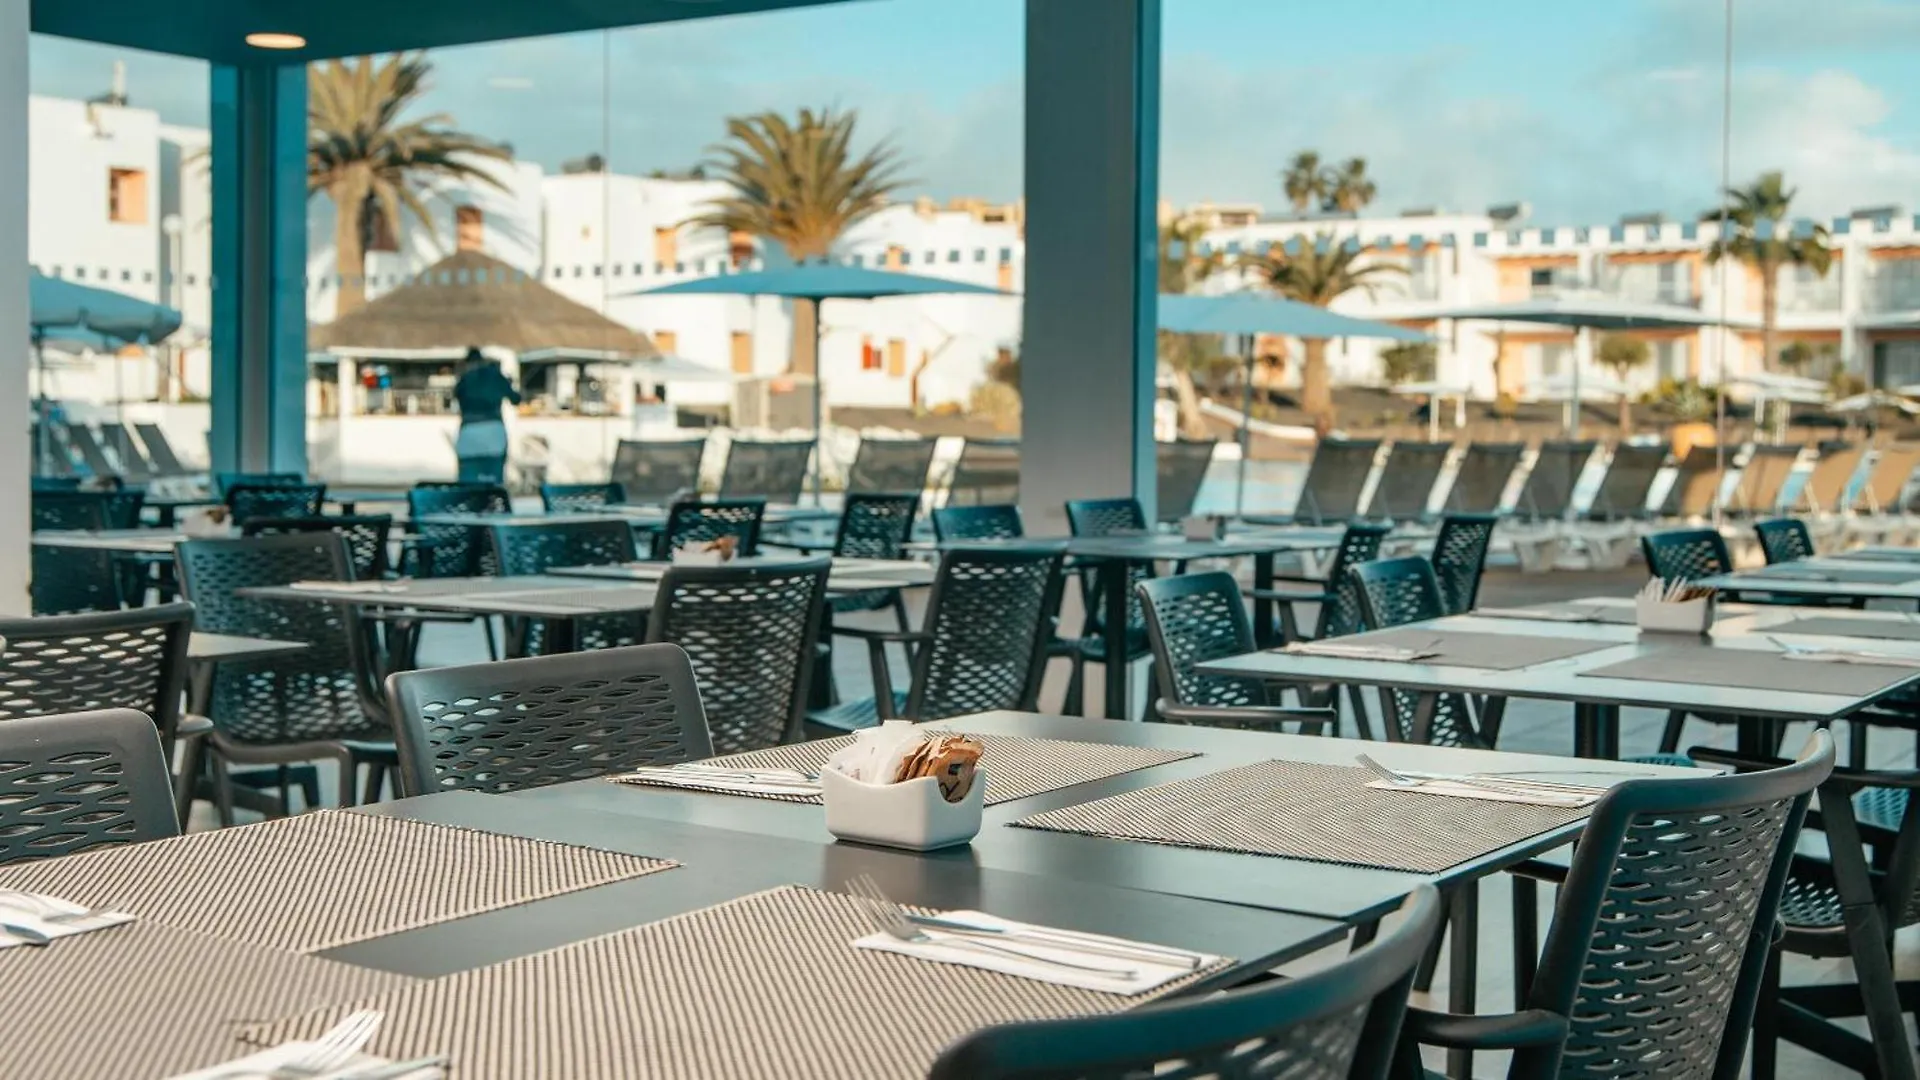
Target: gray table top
<point>1881,553</point>
<point>536,596</point>
<point>847,574</point>
<point>720,864</point>
<point>1163,547</point>
<point>149,541</point>
<point>205,648</point>
<point>1562,680</point>
<point>1797,579</point>
<point>1345,893</point>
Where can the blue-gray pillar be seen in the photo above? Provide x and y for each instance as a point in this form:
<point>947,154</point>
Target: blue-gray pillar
<point>1092,187</point>
<point>259,164</point>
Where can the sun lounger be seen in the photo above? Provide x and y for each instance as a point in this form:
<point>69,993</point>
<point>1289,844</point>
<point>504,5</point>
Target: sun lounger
<point>1538,527</point>
<point>1181,468</point>
<point>1696,480</point>
<point>1407,480</point>
<point>987,473</point>
<point>1763,479</point>
<point>1881,515</point>
<point>1480,484</point>
<point>1609,530</point>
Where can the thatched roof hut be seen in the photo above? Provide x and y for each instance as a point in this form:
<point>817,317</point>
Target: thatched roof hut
<point>473,299</point>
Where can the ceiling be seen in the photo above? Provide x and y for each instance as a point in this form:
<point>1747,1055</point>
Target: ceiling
<point>215,29</point>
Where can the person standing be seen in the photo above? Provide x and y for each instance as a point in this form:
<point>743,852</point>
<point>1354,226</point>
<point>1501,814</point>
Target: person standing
<point>482,391</point>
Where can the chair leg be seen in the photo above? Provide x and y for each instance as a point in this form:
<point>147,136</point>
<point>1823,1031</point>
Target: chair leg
<point>222,788</point>
<point>1075,705</point>
<point>1857,744</point>
<point>1766,1021</point>
<point>1526,934</point>
<point>900,613</point>
<point>493,645</point>
<point>376,778</point>
<point>1676,727</point>
<point>1362,723</point>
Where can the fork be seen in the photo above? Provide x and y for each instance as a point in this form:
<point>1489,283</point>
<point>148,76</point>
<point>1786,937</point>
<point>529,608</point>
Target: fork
<point>891,919</point>
<point>326,1054</point>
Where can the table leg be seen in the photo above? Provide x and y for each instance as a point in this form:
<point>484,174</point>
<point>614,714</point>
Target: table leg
<point>1756,736</point>
<point>1114,573</point>
<point>163,516</point>
<point>1596,731</point>
<point>1463,966</point>
<point>1263,607</point>
<point>562,636</point>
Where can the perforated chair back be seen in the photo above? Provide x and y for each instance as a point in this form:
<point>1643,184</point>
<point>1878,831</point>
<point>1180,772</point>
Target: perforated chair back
<point>1397,592</point>
<point>365,534</point>
<point>1339,1023</point>
<point>564,497</point>
<point>1480,484</point>
<point>1105,517</point>
<point>1109,517</point>
<point>1193,619</point>
<point>458,549</point>
<point>1664,923</point>
<point>517,724</point>
<point>876,525</point>
<point>986,473</point>
<point>1330,494</point>
<point>1460,558</point>
<point>79,781</point>
<point>774,471</point>
<point>1343,615</point>
<point>1696,481</point>
<point>1764,478</point>
<point>1628,481</point>
<point>316,694</point>
<point>1180,470</point>
<point>160,451</point>
<point>987,522</point>
<point>1407,480</point>
<point>891,465</point>
<point>106,660</point>
<point>224,482</point>
<point>1784,540</point>
<point>1825,491</point>
<point>989,619</point>
<point>519,550</point>
<point>749,632</point>
<point>248,501</point>
<point>1887,483</point>
<point>1685,554</point>
<point>71,579</point>
<point>1547,494</point>
<point>707,520</point>
<point>81,438</point>
<point>653,471</point>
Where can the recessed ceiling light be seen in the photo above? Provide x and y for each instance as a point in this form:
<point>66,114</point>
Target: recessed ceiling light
<point>276,41</point>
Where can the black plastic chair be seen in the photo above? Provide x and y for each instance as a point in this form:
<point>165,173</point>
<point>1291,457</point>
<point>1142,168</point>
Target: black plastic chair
<point>1460,558</point>
<point>749,632</point>
<point>702,521</point>
<point>365,534</point>
<point>103,660</point>
<point>773,471</point>
<point>320,704</point>
<point>1396,592</point>
<point>982,646</point>
<point>1180,470</point>
<point>885,465</point>
<point>1661,934</point>
<point>874,525</point>
<point>519,724</point>
<point>454,549</point>
<point>70,579</point>
<point>1406,481</point>
<point>1480,483</point>
<point>1339,604</point>
<point>652,472</point>
<point>987,522</point>
<point>1686,554</point>
<point>1547,494</point>
<point>224,482</point>
<point>1784,540</point>
<point>1106,517</point>
<point>80,781</point>
<point>1339,1023</point>
<point>248,501</point>
<point>522,550</point>
<point>1628,481</point>
<point>1195,618</point>
<point>986,473</point>
<point>565,497</point>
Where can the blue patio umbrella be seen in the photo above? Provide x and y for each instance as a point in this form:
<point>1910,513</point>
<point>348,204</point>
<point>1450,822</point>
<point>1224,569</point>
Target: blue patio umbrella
<point>61,310</point>
<point>817,282</point>
<point>1246,314</point>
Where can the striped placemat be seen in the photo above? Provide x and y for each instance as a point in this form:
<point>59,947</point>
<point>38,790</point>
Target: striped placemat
<point>1016,767</point>
<point>766,985</point>
<point>143,1000</point>
<point>323,879</point>
<point>1300,810</point>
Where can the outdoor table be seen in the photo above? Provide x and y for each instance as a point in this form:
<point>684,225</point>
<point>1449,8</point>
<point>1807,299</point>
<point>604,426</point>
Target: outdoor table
<point>205,653</point>
<point>155,541</point>
<point>846,575</point>
<point>1826,579</point>
<point>1740,650</point>
<point>1882,553</point>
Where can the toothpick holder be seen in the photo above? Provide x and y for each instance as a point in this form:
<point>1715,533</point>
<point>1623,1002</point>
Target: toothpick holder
<point>1685,617</point>
<point>912,814</point>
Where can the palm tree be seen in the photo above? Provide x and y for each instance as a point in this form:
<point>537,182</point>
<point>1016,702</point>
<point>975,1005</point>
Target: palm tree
<point>799,184</point>
<point>1622,355</point>
<point>1323,271</point>
<point>1304,181</point>
<point>1348,186</point>
<point>373,163</point>
<point>1182,266</point>
<point>1767,200</point>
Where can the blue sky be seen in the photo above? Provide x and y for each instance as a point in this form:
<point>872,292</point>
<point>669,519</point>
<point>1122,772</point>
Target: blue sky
<point>1586,109</point>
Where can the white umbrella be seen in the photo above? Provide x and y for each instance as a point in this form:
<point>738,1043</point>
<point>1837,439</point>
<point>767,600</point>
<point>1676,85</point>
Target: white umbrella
<point>1874,399</point>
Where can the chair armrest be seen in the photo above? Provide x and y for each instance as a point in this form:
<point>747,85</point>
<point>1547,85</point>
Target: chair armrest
<point>1259,717</point>
<point>1540,870</point>
<point>1845,779</point>
<point>897,637</point>
<point>1290,597</point>
<point>1503,1031</point>
<point>191,726</point>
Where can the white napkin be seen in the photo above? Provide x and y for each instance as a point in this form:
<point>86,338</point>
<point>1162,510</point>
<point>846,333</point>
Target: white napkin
<point>698,780</point>
<point>1567,615</point>
<point>1352,651</point>
<point>265,1061</point>
<point>349,586</point>
<point>1457,790</point>
<point>17,912</point>
<point>1851,656</point>
<point>875,755</point>
<point>1147,975</point>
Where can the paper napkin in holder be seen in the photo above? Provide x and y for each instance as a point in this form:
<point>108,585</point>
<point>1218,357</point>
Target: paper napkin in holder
<point>1666,609</point>
<point>865,804</point>
<point>1204,527</point>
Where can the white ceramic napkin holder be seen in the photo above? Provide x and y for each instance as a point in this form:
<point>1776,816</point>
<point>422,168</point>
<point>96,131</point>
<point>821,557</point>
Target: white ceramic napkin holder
<point>1685,617</point>
<point>205,522</point>
<point>912,815</point>
<point>1204,527</point>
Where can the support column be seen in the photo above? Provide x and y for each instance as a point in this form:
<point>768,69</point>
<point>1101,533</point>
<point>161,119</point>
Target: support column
<point>259,164</point>
<point>15,445</point>
<point>1092,188</point>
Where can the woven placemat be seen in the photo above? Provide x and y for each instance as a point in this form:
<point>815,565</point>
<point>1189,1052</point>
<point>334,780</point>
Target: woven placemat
<point>1885,574</point>
<point>1753,669</point>
<point>1016,767</point>
<point>1299,810</point>
<point>766,985</point>
<point>1841,626</point>
<point>324,879</point>
<point>1478,649</point>
<point>142,1000</point>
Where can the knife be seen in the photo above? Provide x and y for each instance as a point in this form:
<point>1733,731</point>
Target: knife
<point>394,1070</point>
<point>1062,939</point>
